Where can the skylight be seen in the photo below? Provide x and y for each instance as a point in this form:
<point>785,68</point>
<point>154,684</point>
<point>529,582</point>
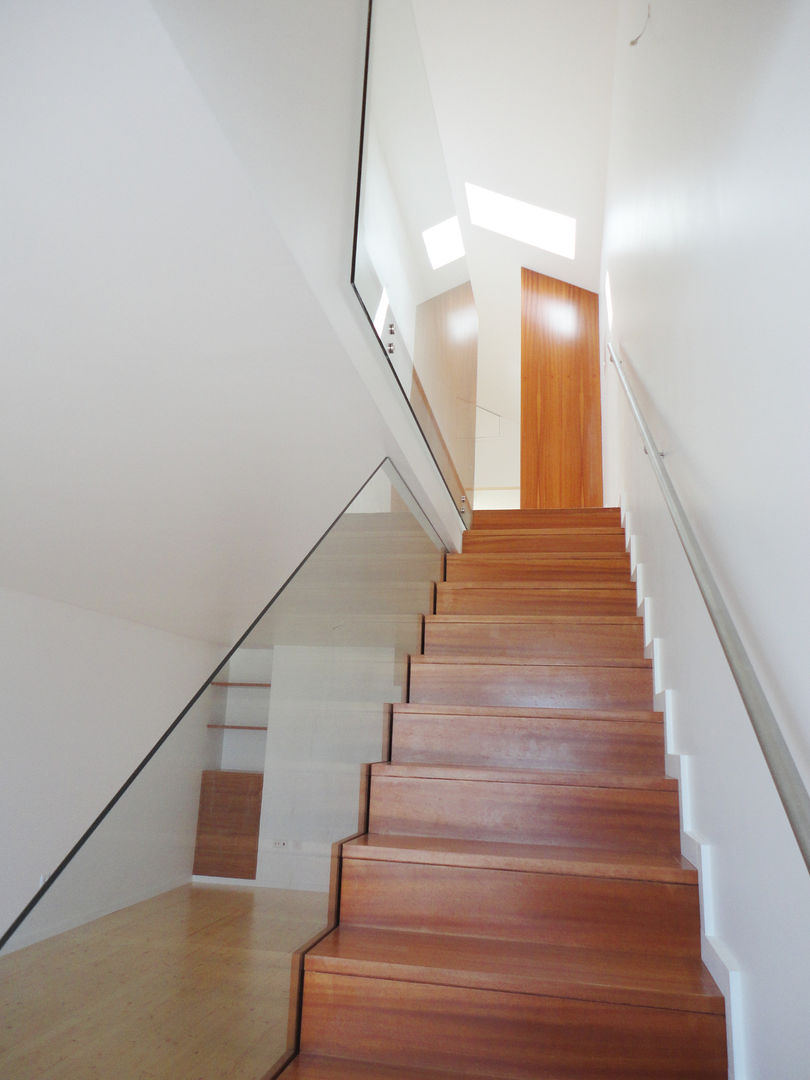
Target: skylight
<point>443,242</point>
<point>545,229</point>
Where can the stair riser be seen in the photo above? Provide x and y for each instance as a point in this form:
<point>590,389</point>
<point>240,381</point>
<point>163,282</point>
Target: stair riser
<point>515,1036</point>
<point>554,909</point>
<point>500,541</point>
<point>586,517</point>
<point>530,743</point>
<point>534,601</point>
<point>530,568</point>
<point>531,685</point>
<point>607,818</point>
<point>445,636</point>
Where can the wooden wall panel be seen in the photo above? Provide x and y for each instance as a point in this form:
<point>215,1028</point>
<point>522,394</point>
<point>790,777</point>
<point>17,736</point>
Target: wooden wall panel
<point>560,425</point>
<point>228,824</point>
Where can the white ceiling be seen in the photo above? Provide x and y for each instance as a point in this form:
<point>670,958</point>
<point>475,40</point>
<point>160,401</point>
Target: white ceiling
<point>522,94</point>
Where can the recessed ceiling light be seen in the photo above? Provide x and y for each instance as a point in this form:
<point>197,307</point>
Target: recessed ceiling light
<point>443,242</point>
<point>522,221</point>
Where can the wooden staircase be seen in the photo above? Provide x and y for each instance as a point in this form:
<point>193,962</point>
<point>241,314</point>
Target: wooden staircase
<point>519,907</point>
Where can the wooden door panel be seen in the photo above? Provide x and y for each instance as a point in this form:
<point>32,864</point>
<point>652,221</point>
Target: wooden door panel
<point>560,425</point>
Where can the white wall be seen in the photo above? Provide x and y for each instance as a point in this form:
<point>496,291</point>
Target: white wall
<point>172,378</point>
<point>707,244</point>
<point>84,696</point>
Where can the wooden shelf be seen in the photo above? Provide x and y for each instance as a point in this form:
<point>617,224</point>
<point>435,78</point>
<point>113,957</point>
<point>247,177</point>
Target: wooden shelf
<point>260,685</point>
<point>239,727</point>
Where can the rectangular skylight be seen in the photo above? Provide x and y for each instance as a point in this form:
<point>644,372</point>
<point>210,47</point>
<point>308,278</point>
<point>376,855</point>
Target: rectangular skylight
<point>522,221</point>
<point>443,242</point>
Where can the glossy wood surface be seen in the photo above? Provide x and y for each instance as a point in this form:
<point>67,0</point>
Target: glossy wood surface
<point>534,858</point>
<point>575,566</point>
<point>549,598</point>
<point>578,518</point>
<point>618,819</point>
<point>610,684</point>
<point>560,408</point>
<point>228,824</point>
<point>550,908</point>
<point>627,978</point>
<point>519,740</point>
<point>520,906</point>
<point>517,1036</point>
<point>192,983</point>
<point>534,636</point>
<point>551,539</point>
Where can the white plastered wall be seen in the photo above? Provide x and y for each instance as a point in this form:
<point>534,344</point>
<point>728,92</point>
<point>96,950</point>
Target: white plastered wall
<point>172,378</point>
<point>707,245</point>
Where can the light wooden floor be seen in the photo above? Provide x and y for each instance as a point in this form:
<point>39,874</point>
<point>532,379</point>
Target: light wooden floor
<point>191,985</point>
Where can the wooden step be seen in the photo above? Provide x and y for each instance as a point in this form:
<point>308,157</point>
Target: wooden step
<point>530,566</point>
<point>544,908</point>
<point>612,813</point>
<point>578,518</point>
<point>566,740</point>
<point>551,637</point>
<point>470,1032</point>
<point>605,975</point>
<point>532,858</point>
<point>549,598</point>
<point>604,540</point>
<point>316,1067</point>
<point>618,684</point>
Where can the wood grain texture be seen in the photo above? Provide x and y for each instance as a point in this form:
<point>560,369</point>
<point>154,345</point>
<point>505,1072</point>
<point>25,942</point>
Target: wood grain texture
<point>531,566</point>
<point>609,685</point>
<point>607,540</point>
<point>672,982</point>
<point>548,598</point>
<point>556,909</point>
<point>560,408</point>
<point>620,819</point>
<point>228,824</point>
<point>532,858</point>
<point>529,742</point>
<point>534,637</point>
<point>563,518</point>
<point>515,1036</point>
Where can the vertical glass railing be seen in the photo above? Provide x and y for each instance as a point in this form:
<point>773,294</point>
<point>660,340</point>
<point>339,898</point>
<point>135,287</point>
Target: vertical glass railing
<point>169,943</point>
<point>409,268</point>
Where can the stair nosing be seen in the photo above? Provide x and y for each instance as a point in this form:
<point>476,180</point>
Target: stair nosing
<point>489,660</point>
<point>532,712</point>
<point>522,858</point>
<point>569,985</point>
<point>542,778</point>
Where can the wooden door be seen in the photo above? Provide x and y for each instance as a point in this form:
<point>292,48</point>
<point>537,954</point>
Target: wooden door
<point>560,423</point>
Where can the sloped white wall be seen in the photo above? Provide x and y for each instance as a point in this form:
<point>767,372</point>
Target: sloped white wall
<point>707,245</point>
<point>179,419</point>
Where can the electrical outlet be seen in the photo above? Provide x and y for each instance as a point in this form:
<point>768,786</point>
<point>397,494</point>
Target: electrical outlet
<point>279,843</point>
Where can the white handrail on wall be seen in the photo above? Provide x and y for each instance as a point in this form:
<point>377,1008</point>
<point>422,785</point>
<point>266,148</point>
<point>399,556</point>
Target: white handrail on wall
<point>789,784</point>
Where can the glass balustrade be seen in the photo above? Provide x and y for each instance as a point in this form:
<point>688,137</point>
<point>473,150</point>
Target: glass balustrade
<point>409,268</point>
<point>170,944</point>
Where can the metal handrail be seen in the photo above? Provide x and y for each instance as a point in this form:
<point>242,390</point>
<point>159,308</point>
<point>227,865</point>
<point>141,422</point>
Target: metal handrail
<point>786,777</point>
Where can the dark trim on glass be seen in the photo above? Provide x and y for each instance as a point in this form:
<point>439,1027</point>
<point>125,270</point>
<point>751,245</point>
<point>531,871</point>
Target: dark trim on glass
<point>45,887</point>
<point>456,498</point>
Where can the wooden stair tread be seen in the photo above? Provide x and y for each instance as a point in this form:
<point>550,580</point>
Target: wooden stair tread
<point>538,620</point>
<point>556,778</point>
<point>317,1067</point>
<point>640,715</point>
<point>529,858</point>
<point>522,662</point>
<point>538,519</point>
<point>558,585</point>
<point>672,982</point>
